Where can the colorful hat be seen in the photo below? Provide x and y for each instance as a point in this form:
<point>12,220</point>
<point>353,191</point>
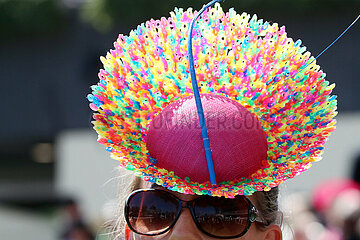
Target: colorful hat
<point>249,72</point>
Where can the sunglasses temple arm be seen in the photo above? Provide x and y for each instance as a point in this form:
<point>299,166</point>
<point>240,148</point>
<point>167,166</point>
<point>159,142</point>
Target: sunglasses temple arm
<point>257,217</point>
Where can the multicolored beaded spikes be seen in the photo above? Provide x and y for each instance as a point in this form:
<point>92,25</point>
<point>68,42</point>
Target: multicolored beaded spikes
<point>240,57</point>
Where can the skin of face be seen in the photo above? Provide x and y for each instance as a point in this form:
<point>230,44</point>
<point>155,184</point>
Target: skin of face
<point>185,227</point>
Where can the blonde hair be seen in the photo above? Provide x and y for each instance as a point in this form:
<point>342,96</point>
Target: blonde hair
<point>129,183</point>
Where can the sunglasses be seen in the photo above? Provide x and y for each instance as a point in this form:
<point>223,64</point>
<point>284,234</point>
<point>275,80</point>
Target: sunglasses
<point>153,212</point>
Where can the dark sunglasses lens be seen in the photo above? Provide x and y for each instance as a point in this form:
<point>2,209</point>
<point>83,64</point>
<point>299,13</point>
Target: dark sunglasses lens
<point>151,212</point>
<point>222,217</point>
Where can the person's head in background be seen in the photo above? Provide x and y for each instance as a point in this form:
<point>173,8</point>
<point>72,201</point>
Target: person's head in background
<point>337,202</point>
<point>356,169</point>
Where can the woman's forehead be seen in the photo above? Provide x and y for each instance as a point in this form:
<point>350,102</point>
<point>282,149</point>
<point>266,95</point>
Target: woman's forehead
<point>186,197</point>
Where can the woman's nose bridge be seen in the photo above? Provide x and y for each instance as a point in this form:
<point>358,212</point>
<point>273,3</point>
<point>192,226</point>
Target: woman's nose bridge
<point>186,204</point>
<point>189,211</point>
<point>185,227</point>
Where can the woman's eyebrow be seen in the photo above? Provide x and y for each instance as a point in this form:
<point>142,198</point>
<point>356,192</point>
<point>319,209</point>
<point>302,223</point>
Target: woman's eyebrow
<point>153,185</point>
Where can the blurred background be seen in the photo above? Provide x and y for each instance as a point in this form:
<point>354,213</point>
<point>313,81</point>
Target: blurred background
<point>57,182</point>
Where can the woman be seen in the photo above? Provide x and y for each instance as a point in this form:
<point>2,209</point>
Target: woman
<point>185,227</point>
<point>212,154</point>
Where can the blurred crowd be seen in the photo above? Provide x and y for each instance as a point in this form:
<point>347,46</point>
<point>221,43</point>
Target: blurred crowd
<point>332,212</point>
<point>74,227</point>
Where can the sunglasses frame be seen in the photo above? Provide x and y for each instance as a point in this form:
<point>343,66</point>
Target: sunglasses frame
<point>253,214</point>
